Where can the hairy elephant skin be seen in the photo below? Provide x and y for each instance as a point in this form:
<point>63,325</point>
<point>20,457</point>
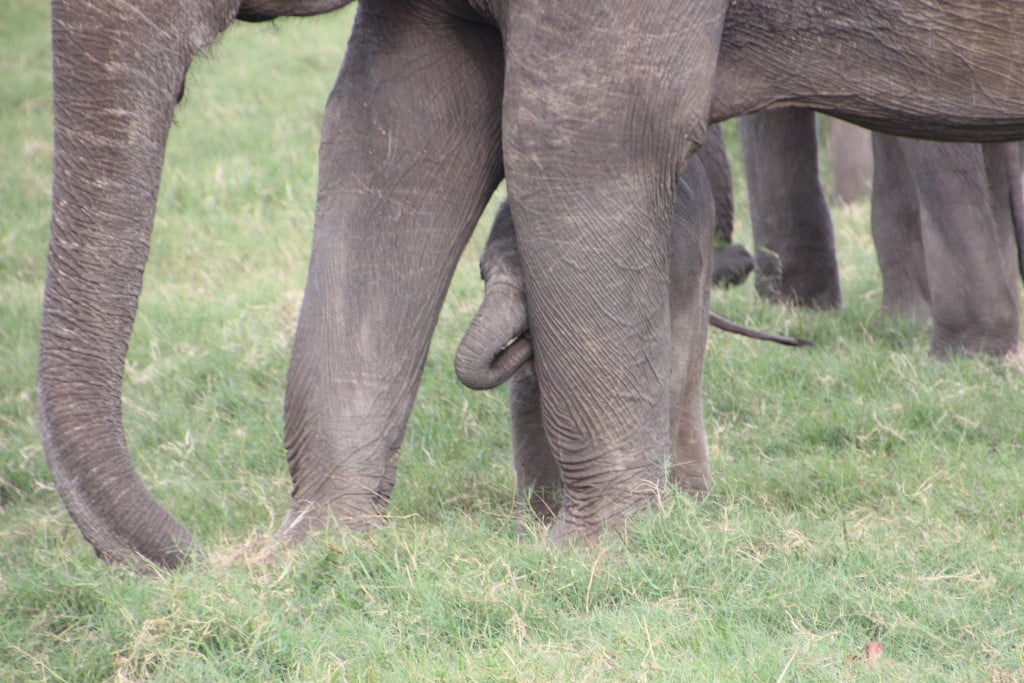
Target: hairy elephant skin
<point>945,218</point>
<point>794,248</point>
<point>588,109</point>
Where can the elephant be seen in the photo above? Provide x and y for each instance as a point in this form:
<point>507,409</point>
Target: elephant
<point>589,111</point>
<point>496,347</point>
<point>497,343</point>
<point>946,220</point>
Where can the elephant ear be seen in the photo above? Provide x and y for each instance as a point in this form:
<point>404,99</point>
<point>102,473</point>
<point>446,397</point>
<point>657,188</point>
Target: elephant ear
<point>497,342</point>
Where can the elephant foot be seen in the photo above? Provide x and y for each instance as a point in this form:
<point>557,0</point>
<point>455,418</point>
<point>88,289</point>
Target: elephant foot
<point>947,343</point>
<point>306,518</point>
<point>586,521</point>
<point>809,282</point>
<point>731,265</point>
<point>543,501</point>
<point>693,480</point>
<point>914,308</point>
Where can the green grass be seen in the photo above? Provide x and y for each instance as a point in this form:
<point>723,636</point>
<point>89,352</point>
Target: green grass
<point>862,491</point>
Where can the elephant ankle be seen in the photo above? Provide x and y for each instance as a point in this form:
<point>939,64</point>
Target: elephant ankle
<point>915,308</point>
<point>996,340</point>
<point>306,518</point>
<point>544,502</point>
<point>606,510</point>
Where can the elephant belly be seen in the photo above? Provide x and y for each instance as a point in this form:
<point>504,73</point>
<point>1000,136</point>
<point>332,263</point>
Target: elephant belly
<point>949,70</point>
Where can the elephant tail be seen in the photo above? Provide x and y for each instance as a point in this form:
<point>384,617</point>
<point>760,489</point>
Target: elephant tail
<point>729,326</point>
<point>1017,205</point>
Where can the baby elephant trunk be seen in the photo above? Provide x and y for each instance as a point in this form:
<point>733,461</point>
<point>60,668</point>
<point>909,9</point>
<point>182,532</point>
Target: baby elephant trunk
<point>497,342</point>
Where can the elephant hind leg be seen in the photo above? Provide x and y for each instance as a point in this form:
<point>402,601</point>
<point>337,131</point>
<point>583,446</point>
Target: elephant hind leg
<point>969,245</point>
<point>896,229</point>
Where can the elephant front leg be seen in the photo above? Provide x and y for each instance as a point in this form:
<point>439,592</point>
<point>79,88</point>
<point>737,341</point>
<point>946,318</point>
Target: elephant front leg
<point>794,248</point>
<point>970,246</point>
<point>896,231</point>
<point>410,154</point>
<point>593,142</point>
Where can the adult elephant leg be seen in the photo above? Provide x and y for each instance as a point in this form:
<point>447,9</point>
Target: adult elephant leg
<point>593,145</point>
<point>896,231</point>
<point>410,155</point>
<point>118,70</point>
<point>690,264</point>
<point>1004,166</point>
<point>794,249</point>
<point>970,256</point>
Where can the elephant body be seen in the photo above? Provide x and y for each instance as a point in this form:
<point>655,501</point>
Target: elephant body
<point>588,110</point>
<point>945,218</point>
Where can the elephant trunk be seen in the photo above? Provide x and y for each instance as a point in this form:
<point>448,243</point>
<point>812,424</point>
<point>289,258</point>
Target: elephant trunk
<point>116,81</point>
<point>497,342</point>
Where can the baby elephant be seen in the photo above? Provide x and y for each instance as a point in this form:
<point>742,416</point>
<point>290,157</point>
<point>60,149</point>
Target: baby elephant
<point>497,346</point>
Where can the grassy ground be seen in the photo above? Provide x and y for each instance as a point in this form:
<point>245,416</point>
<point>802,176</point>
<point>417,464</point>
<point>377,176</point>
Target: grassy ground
<point>862,492</point>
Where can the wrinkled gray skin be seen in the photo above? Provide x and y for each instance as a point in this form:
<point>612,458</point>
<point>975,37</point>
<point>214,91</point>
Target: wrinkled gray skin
<point>483,361</point>
<point>588,109</point>
<point>945,219</point>
<point>497,342</point>
<point>496,346</point>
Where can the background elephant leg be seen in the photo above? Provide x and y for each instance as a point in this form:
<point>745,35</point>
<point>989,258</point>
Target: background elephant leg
<point>689,296</point>
<point>538,483</point>
<point>409,157</point>
<point>852,163</point>
<point>592,169</point>
<point>1003,166</point>
<point>715,159</point>
<point>732,262</point>
<point>794,248</point>
<point>971,256</point>
<point>896,231</point>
